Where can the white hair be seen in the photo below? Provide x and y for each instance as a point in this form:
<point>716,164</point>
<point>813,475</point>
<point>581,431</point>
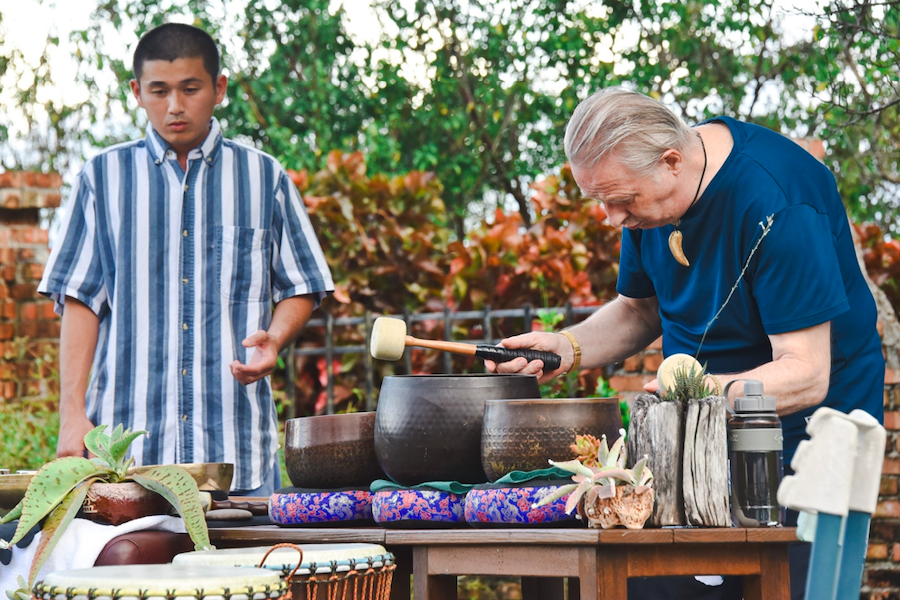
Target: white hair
<point>638,127</point>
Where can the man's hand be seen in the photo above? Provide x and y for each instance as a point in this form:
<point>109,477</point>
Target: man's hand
<point>263,361</point>
<point>71,435</point>
<point>551,342</point>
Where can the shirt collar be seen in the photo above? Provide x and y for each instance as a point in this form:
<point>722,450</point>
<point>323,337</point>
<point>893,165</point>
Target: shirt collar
<point>208,150</point>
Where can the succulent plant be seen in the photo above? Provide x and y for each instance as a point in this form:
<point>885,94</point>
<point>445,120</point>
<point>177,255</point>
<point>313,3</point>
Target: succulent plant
<point>57,492</point>
<point>586,448</point>
<point>689,383</point>
<point>609,468</point>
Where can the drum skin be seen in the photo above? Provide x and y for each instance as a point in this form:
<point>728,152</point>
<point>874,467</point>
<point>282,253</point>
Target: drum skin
<point>428,427</point>
<point>521,435</point>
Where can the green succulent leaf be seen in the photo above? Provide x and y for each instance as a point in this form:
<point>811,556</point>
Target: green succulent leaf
<point>120,443</point>
<point>22,593</point>
<point>49,486</point>
<point>12,515</point>
<point>557,494</point>
<point>179,488</point>
<point>98,443</point>
<point>573,466</point>
<point>56,525</point>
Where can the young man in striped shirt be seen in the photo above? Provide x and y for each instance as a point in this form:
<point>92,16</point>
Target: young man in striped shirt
<point>174,249</point>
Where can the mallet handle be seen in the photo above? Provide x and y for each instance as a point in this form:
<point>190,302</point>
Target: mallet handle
<point>497,354</point>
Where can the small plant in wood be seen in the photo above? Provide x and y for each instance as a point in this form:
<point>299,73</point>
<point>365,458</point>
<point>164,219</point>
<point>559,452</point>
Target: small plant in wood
<point>58,490</point>
<point>610,493</point>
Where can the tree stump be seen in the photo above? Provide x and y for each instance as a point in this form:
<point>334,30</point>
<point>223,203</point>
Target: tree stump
<point>705,483</point>
<point>657,430</point>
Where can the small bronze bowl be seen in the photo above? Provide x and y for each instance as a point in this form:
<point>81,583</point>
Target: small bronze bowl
<point>329,452</point>
<point>522,435</point>
<point>209,476</point>
<point>12,490</point>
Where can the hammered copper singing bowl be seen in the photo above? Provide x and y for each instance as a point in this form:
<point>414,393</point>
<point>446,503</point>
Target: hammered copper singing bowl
<point>12,490</point>
<point>331,451</point>
<point>521,435</point>
<point>428,427</point>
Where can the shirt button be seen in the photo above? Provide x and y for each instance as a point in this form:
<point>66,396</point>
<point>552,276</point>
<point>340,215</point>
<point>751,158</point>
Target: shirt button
<point>185,187</point>
<point>184,233</point>
<point>184,280</point>
<point>184,372</point>
<point>184,326</point>
<point>184,418</point>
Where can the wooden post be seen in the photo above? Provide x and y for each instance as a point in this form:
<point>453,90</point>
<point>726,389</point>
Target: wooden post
<point>705,472</point>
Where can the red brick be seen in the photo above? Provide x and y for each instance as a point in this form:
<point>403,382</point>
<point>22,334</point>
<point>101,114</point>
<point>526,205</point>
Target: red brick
<point>895,555</point>
<point>28,329</point>
<point>652,362</point>
<point>889,486</point>
<point>8,310</point>
<point>48,329</point>
<point>888,508</point>
<point>656,345</point>
<point>48,312</point>
<point>634,364</point>
<point>9,390</point>
<point>892,420</point>
<point>24,291</point>
<point>4,291</point>
<point>891,465</point>
<point>8,256</point>
<point>52,200</point>
<point>10,199</point>
<point>11,179</point>
<point>32,271</point>
<point>4,237</point>
<point>25,254</point>
<point>629,383</point>
<point>30,235</point>
<point>7,331</point>
<point>28,311</point>
<point>877,552</point>
<point>8,273</point>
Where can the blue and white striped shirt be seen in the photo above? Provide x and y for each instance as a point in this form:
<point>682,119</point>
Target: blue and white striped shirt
<point>180,268</point>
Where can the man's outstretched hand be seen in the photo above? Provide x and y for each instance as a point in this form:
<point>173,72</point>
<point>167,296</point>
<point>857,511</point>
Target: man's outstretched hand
<point>262,362</point>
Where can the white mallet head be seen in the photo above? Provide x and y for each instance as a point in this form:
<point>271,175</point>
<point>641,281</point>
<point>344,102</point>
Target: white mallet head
<point>388,338</point>
<point>665,375</point>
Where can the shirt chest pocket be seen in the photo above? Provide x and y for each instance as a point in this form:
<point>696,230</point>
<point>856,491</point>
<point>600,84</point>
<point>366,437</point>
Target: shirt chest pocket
<point>243,263</point>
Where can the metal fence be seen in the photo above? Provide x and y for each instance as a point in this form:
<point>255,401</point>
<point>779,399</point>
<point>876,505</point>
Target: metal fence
<point>571,314</point>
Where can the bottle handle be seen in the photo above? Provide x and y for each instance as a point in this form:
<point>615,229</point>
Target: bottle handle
<point>728,406</point>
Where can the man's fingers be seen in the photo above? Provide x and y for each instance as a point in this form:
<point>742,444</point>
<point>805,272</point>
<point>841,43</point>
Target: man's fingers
<point>255,339</point>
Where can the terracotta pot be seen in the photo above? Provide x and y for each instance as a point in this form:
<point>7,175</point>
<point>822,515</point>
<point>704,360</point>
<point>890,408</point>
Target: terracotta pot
<point>331,451</point>
<point>428,427</point>
<point>630,508</point>
<point>116,503</point>
<point>521,435</point>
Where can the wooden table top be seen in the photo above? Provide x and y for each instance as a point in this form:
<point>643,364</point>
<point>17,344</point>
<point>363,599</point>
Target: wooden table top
<point>459,536</point>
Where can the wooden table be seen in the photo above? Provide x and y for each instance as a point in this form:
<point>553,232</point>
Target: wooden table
<point>601,560</point>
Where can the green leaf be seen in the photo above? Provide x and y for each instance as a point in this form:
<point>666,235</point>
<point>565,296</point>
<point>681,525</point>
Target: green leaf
<point>49,486</point>
<point>98,443</point>
<point>179,488</point>
<point>22,593</point>
<point>557,494</point>
<point>55,526</point>
<point>120,444</point>
<point>12,515</point>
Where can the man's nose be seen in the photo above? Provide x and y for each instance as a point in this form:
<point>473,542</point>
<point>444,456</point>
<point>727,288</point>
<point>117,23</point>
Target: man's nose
<point>616,215</point>
<point>175,103</point>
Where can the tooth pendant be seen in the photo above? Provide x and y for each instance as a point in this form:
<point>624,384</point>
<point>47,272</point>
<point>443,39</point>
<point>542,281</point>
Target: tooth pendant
<point>675,248</point>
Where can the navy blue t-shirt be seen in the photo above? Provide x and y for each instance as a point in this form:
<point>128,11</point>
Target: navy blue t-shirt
<point>804,273</point>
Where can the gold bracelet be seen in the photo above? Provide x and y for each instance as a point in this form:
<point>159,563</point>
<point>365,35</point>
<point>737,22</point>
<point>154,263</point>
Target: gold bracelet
<point>576,350</point>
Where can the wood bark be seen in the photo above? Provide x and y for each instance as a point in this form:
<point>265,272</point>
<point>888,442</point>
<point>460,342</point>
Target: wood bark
<point>705,472</point>
<point>657,430</point>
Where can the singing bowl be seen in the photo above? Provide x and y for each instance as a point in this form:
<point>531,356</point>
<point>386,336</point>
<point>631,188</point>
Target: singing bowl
<point>331,451</point>
<point>521,435</point>
<point>428,427</point>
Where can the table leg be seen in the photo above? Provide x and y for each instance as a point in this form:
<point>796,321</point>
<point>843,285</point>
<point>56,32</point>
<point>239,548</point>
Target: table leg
<point>611,574</point>
<point>430,587</point>
<point>773,582</point>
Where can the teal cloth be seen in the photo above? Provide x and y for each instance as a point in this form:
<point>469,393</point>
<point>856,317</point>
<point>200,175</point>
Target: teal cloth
<point>521,476</point>
<point>452,487</point>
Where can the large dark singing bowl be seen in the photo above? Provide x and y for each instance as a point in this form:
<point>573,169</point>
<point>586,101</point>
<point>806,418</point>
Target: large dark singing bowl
<point>428,427</point>
<point>331,451</point>
<point>521,435</point>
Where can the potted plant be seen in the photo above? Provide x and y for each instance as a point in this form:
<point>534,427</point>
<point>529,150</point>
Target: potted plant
<point>59,489</point>
<point>605,491</point>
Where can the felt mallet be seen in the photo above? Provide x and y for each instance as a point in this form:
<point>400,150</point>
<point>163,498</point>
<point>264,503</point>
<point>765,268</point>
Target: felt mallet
<point>389,339</point>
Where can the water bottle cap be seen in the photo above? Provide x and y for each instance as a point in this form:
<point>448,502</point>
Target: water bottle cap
<point>753,400</point>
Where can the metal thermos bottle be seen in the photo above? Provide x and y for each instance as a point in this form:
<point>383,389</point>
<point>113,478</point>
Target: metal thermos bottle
<point>755,454</point>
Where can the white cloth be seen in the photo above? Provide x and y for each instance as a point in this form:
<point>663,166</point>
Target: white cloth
<point>79,547</point>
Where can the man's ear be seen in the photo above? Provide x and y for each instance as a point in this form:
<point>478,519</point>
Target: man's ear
<point>136,90</point>
<point>672,161</point>
<point>221,87</point>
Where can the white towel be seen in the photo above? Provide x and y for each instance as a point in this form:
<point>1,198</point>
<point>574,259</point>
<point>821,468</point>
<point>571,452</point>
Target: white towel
<point>78,547</point>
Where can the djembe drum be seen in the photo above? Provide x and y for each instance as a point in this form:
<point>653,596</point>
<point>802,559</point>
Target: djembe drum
<point>161,582</point>
<point>323,572</point>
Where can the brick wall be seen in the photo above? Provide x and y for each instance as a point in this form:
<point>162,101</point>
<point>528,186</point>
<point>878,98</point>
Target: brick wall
<point>29,329</point>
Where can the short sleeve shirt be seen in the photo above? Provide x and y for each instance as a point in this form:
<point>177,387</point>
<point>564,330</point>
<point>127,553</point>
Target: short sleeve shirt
<point>803,273</point>
<point>180,267</point>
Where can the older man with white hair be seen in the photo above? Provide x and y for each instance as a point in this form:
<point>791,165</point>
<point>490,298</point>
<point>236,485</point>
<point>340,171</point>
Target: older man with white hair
<point>795,314</point>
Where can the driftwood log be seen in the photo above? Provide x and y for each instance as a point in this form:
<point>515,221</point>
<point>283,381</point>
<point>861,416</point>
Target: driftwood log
<point>705,472</point>
<point>657,430</point>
